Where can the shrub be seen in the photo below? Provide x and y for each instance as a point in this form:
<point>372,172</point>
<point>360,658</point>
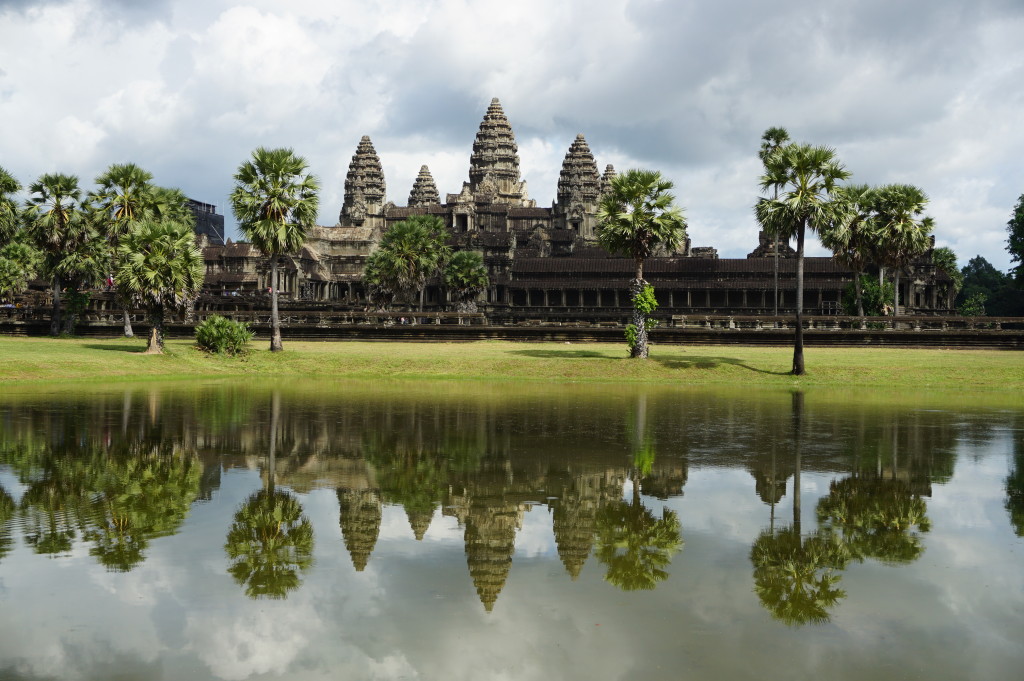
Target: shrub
<point>219,335</point>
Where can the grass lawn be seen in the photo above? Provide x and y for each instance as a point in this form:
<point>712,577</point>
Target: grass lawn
<point>36,360</point>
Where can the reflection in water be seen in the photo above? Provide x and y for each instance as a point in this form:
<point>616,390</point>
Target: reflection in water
<point>635,546</point>
<point>1015,482</point>
<point>795,576</point>
<point>270,540</point>
<point>269,543</point>
<point>115,472</point>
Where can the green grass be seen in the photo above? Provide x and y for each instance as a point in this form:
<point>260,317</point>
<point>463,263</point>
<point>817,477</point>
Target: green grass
<point>37,360</point>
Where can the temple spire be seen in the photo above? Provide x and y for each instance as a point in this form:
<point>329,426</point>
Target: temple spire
<point>424,191</point>
<point>364,186</point>
<point>494,163</point>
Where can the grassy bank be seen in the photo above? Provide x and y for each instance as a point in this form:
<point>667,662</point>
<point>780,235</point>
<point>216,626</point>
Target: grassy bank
<point>35,360</point>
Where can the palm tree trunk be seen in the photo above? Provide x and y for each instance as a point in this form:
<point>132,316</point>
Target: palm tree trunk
<point>636,287</point>
<point>798,340</point>
<point>896,292</point>
<point>275,319</point>
<point>55,316</point>
<point>859,292</point>
<point>776,298</point>
<point>153,347</point>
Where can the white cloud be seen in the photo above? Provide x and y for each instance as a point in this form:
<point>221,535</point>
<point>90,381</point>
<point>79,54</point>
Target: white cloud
<point>919,92</point>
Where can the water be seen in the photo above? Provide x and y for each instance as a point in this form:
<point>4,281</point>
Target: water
<point>473,531</point>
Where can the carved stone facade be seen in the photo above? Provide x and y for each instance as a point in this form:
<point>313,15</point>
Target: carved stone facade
<point>540,261</point>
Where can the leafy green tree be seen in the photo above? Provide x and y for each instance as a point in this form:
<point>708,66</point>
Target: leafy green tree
<point>162,266</point>
<point>974,306</point>
<point>19,262</point>
<point>874,297</point>
<point>275,202</point>
<point>850,237</point>
<point>124,196</point>
<point>772,140</point>
<point>466,277</point>
<point>983,281</point>
<point>9,217</point>
<point>945,259</point>
<point>902,232</point>
<point>73,256</point>
<point>1015,239</point>
<point>806,178</point>
<point>637,217</point>
<point>410,252</point>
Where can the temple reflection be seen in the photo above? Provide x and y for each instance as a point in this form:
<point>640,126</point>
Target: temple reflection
<point>116,472</point>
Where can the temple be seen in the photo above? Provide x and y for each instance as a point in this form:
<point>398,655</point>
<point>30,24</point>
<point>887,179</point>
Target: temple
<point>542,261</point>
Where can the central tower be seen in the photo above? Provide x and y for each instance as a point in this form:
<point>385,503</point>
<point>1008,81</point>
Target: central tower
<point>494,164</point>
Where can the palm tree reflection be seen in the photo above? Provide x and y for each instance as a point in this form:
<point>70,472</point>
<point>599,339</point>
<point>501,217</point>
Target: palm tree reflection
<point>634,544</point>
<point>795,576</point>
<point>270,541</point>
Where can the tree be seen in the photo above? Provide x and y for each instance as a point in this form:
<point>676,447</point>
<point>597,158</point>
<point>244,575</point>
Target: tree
<point>9,218</point>
<point>983,282</point>
<point>125,196</point>
<point>275,202</point>
<point>638,216</point>
<point>945,259</point>
<point>902,233</point>
<point>466,277</point>
<point>410,252</point>
<point>1015,239</point>
<point>163,267</point>
<point>73,255</point>
<point>850,237</point>
<point>806,178</point>
<point>771,141</point>
<point>19,262</point>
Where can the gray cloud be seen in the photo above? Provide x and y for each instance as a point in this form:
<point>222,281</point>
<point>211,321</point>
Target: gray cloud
<point>920,92</point>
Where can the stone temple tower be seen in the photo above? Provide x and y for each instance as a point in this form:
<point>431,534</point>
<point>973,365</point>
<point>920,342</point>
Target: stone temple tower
<point>364,189</point>
<point>424,191</point>
<point>579,190</point>
<point>494,164</point>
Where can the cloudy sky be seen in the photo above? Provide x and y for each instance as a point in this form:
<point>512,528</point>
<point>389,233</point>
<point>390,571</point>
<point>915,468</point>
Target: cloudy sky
<point>927,92</point>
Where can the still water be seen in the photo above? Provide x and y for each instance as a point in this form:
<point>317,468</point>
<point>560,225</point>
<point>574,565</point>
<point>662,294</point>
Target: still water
<point>469,531</point>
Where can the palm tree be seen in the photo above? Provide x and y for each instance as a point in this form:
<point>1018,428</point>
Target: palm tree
<point>851,238</point>
<point>637,216</point>
<point>73,254</point>
<point>163,267</point>
<point>275,202</point>
<point>806,177</point>
<point>902,234</point>
<point>466,277</point>
<point>410,252</point>
<point>125,196</point>
<point>9,217</point>
<point>771,141</point>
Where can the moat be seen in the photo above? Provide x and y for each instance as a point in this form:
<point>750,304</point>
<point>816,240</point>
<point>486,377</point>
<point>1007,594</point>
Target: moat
<point>304,530</point>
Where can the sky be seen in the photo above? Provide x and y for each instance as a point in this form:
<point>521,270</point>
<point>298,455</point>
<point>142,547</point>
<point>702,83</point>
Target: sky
<point>924,92</point>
